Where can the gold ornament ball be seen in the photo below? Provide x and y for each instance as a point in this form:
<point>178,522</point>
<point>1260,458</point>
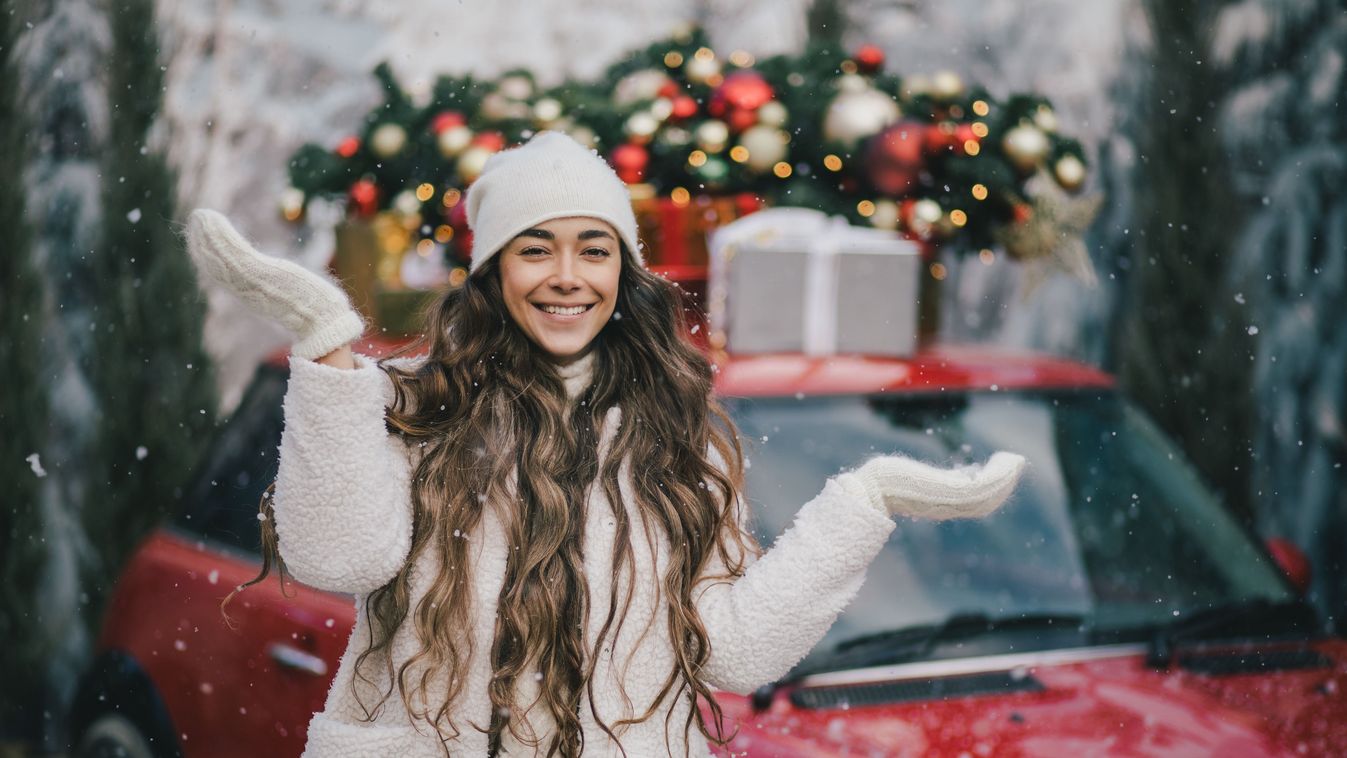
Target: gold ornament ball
<point>1070,172</point>
<point>853,116</point>
<point>453,140</point>
<point>1045,118</point>
<point>946,85</point>
<point>885,215</point>
<point>712,135</point>
<point>766,146</point>
<point>388,140</point>
<point>472,161</point>
<point>701,68</point>
<point>546,111</point>
<point>773,113</point>
<point>1026,146</point>
<point>641,126</point>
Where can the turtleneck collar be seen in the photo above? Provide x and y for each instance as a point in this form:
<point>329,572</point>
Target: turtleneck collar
<point>576,374</point>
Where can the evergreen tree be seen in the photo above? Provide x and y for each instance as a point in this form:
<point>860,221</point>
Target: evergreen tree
<point>23,413</point>
<point>1180,349</point>
<point>148,367</point>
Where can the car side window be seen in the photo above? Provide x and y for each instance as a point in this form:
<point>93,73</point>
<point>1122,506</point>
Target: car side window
<point>222,502</point>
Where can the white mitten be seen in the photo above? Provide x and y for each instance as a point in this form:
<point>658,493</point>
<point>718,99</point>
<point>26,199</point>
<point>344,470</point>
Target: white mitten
<point>315,309</point>
<point>905,487</point>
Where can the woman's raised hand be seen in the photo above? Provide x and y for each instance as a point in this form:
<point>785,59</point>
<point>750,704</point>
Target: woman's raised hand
<point>315,309</point>
<point>906,487</point>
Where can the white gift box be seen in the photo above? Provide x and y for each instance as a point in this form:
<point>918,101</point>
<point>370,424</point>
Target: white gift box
<point>796,280</point>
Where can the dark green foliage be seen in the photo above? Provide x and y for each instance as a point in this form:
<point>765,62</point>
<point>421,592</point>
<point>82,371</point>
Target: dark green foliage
<point>1181,349</point>
<point>149,372</point>
<point>24,410</point>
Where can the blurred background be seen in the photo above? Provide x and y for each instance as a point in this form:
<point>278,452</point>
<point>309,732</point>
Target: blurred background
<point>1161,197</point>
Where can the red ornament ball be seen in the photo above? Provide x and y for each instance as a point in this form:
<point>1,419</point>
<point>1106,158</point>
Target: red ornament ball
<point>740,119</point>
<point>348,147</point>
<point>869,59</point>
<point>446,120</point>
<point>630,161</point>
<point>941,136</point>
<point>491,140</point>
<point>684,107</point>
<point>742,90</point>
<point>364,198</point>
<point>895,157</point>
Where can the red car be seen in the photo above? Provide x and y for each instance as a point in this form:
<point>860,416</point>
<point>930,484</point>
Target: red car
<point>1112,607</point>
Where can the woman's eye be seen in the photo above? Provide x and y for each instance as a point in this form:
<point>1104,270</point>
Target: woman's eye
<point>533,251</point>
<point>598,251</point>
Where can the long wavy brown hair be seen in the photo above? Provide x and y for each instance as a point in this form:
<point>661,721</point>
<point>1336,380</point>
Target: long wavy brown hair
<point>484,386</point>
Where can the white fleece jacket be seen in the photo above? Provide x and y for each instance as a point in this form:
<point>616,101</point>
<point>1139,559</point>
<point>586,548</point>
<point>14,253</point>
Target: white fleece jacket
<point>343,518</point>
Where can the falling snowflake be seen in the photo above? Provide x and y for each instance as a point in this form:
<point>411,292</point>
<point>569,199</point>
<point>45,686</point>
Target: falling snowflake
<point>36,463</point>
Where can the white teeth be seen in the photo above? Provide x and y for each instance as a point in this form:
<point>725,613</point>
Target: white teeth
<point>561,311</point>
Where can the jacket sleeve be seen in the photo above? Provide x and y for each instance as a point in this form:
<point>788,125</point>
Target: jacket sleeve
<point>764,622</point>
<point>342,499</point>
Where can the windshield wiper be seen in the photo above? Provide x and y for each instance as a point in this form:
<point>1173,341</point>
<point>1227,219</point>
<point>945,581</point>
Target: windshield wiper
<point>915,642</point>
<point>1218,621</point>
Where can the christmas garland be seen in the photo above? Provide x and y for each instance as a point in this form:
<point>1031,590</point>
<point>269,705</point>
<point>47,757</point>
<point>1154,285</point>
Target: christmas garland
<point>932,157</point>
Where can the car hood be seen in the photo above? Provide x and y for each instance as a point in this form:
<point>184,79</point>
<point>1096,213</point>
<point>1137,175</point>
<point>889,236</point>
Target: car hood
<point>1108,706</point>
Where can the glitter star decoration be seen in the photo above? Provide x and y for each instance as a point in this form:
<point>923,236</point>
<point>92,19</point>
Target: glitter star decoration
<point>1052,237</point>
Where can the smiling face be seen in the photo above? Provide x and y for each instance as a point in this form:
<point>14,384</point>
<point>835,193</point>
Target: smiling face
<point>559,280</point>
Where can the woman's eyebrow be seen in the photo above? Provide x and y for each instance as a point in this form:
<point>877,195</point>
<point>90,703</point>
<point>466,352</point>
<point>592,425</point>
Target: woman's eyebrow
<point>543,234</point>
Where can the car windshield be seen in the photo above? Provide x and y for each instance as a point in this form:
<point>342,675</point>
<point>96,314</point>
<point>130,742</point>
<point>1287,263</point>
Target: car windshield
<point>1109,522</point>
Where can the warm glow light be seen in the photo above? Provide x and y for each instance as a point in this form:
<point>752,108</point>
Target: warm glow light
<point>738,153</point>
<point>987,256</point>
<point>697,158</point>
<point>444,233</point>
<point>832,162</point>
<point>938,270</point>
<point>704,54</point>
<point>981,108</point>
<point>971,147</point>
<point>425,191</point>
<point>451,197</point>
<point>979,192</point>
<point>781,169</point>
<point>865,208</point>
<point>673,59</point>
<point>980,129</point>
<point>425,247</point>
<point>680,196</point>
<point>958,217</point>
<point>741,58</point>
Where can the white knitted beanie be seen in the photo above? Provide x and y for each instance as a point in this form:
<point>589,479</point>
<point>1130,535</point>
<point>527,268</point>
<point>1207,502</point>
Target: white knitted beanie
<point>550,176</point>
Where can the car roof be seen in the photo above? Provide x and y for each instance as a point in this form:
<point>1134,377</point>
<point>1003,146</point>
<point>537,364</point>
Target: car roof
<point>932,369</point>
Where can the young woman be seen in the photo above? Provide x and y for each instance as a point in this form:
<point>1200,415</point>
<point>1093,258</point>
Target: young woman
<point>541,519</point>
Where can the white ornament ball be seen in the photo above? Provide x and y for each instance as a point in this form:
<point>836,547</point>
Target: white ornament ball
<point>406,203</point>
<point>1070,172</point>
<point>853,116</point>
<point>885,215</point>
<point>639,85</point>
<point>701,69</point>
<point>766,146</point>
<point>712,135</point>
<point>1045,118</point>
<point>516,87</point>
<point>946,85</point>
<point>453,140</point>
<point>472,161</point>
<point>642,125</point>
<point>773,113</point>
<point>852,83</point>
<point>1026,146</point>
<point>584,135</point>
<point>546,111</point>
<point>388,140</point>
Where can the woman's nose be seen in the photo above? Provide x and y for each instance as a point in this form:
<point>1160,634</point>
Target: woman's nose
<point>565,275</point>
